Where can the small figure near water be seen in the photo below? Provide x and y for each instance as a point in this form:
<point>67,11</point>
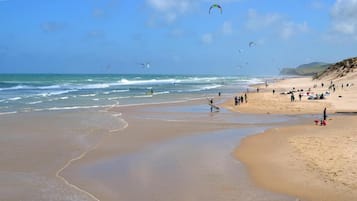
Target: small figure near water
<point>236,102</point>
<point>325,114</point>
<point>292,97</point>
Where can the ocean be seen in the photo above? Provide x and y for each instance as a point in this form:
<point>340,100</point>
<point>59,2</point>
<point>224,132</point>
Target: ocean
<point>21,93</point>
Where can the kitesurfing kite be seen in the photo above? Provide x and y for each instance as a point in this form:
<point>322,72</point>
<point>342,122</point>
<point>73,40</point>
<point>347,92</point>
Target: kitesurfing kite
<point>251,44</point>
<point>145,65</point>
<point>215,6</point>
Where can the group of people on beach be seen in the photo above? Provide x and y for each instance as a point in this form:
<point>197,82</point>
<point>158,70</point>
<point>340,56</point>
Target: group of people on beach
<point>240,99</point>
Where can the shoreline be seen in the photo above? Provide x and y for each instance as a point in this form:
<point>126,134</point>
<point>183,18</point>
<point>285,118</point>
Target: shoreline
<point>128,143</point>
<point>92,136</point>
<point>303,160</point>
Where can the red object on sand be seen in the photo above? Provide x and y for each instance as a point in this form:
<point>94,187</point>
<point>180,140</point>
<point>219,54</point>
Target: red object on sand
<point>324,123</point>
<point>316,122</point>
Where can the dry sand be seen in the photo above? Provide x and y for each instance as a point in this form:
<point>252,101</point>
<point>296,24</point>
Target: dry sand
<point>312,162</point>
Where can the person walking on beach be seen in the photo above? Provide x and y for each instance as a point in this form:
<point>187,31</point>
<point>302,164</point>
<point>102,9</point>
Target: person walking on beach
<point>211,104</point>
<point>273,91</point>
<point>241,99</point>
<point>245,97</point>
<point>324,115</point>
<point>292,97</point>
<point>236,100</point>
<point>300,95</point>
<point>257,90</point>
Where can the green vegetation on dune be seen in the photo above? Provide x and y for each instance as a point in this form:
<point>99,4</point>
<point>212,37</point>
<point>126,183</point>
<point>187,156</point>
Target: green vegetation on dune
<point>306,69</point>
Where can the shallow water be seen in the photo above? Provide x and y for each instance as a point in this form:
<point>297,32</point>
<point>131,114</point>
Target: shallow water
<point>34,146</point>
<point>199,167</point>
<point>190,168</point>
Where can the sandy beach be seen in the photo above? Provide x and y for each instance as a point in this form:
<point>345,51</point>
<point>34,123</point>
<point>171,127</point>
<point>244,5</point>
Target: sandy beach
<point>309,161</point>
<point>170,153</point>
<point>182,151</point>
<point>178,151</point>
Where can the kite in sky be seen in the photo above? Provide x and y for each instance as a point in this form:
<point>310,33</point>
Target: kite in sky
<point>251,44</point>
<point>215,6</point>
<point>145,65</point>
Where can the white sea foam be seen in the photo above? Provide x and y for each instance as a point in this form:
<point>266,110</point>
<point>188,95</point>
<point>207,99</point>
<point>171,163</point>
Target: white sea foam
<point>116,91</point>
<point>5,113</point>
<point>15,88</point>
<point>14,99</point>
<point>54,93</point>
<point>50,87</point>
<point>34,102</point>
<point>94,86</point>
<point>143,82</point>
<point>161,92</point>
<point>204,88</point>
<point>88,95</point>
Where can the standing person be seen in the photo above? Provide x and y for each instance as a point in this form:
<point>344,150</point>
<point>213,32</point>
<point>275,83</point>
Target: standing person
<point>325,115</point>
<point>235,100</point>
<point>292,97</point>
<point>273,91</point>
<point>245,97</point>
<point>300,95</point>
<point>241,99</point>
<point>257,90</point>
<point>211,104</point>
<point>219,93</point>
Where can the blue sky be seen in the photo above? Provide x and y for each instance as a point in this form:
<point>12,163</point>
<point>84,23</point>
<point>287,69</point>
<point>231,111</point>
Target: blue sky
<point>174,36</point>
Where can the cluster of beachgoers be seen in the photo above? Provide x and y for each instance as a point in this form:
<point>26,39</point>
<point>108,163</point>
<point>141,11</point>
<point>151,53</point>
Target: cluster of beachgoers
<point>306,161</point>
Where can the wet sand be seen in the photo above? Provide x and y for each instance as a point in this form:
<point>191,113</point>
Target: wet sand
<point>161,156</point>
<point>175,151</point>
<point>36,146</point>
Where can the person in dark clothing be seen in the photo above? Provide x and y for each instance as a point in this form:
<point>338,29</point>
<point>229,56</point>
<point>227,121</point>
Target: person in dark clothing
<point>236,100</point>
<point>324,114</point>
<point>273,91</point>
<point>241,99</point>
<point>245,97</point>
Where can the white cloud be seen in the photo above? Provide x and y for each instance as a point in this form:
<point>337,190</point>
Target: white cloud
<point>275,23</point>
<point>207,38</point>
<point>170,5</point>
<point>288,29</point>
<point>317,4</point>
<point>257,21</point>
<point>170,9</point>
<point>227,28</point>
<point>344,17</point>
